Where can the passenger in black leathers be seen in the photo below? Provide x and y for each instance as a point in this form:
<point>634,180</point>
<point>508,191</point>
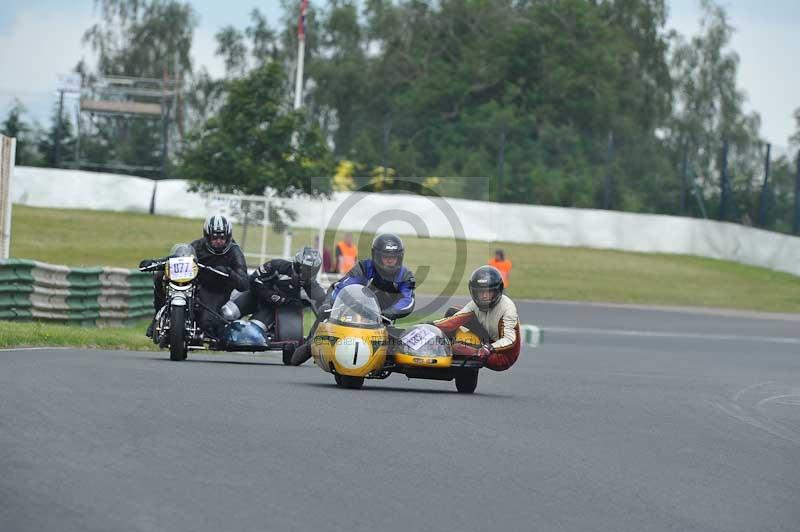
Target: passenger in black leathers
<point>218,250</point>
<point>278,282</point>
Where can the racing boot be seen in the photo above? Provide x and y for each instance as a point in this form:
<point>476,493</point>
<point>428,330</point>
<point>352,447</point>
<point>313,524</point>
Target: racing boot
<point>301,354</point>
<point>151,328</point>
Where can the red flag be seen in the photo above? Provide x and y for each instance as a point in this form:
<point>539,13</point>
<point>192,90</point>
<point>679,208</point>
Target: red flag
<point>301,22</point>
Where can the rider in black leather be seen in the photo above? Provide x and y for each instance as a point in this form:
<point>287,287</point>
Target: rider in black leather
<point>218,250</point>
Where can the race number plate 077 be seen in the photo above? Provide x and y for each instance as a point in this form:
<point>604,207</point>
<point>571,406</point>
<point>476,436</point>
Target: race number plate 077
<point>181,268</point>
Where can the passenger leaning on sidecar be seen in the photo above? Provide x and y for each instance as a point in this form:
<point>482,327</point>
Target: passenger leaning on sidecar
<point>278,282</point>
<point>492,316</point>
<point>384,274</point>
<point>218,250</point>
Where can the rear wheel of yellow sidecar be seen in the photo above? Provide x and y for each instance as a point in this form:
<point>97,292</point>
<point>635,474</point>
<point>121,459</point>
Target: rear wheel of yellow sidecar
<point>467,382</point>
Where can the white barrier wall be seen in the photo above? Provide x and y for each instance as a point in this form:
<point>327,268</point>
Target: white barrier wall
<point>73,189</point>
<point>436,217</point>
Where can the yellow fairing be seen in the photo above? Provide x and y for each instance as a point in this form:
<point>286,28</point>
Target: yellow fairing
<point>353,351</point>
<point>467,337</point>
<point>405,359</point>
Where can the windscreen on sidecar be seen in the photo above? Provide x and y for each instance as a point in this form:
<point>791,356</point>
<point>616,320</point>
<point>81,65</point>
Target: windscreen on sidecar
<point>356,306</point>
<point>425,340</point>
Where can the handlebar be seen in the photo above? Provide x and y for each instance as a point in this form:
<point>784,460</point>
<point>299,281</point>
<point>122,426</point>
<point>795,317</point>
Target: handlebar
<point>152,266</point>
<point>159,263</point>
<point>212,269</point>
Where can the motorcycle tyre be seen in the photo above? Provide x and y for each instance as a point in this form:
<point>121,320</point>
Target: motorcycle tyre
<point>351,383</point>
<point>467,382</point>
<point>177,333</point>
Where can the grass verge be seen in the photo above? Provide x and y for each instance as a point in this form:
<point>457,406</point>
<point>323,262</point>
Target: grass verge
<point>37,334</point>
<point>92,238</point>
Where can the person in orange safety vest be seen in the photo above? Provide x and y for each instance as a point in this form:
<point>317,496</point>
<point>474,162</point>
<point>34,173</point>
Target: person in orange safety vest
<point>504,266</point>
<point>346,254</point>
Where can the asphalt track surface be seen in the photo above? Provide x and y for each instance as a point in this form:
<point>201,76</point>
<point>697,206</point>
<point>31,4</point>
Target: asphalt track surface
<point>624,419</point>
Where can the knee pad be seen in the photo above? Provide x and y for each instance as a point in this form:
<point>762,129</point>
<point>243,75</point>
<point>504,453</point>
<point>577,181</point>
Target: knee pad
<point>230,311</point>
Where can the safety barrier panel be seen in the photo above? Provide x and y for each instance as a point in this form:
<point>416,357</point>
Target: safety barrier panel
<point>531,335</point>
<point>442,217</point>
<point>31,290</point>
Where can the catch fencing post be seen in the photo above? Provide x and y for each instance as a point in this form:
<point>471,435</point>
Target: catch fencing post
<point>501,158</point>
<point>608,183</point>
<point>724,185</point>
<point>684,177</point>
<point>8,147</point>
<point>797,197</point>
<point>59,121</point>
<point>762,204</point>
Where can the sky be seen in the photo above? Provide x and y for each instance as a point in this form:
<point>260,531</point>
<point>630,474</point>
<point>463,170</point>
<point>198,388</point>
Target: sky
<point>40,39</point>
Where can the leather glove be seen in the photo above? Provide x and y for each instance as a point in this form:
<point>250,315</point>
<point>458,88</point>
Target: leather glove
<point>324,308</point>
<point>146,263</point>
<point>277,299</point>
<point>484,352</point>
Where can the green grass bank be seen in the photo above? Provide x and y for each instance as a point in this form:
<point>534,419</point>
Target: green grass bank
<point>98,238</point>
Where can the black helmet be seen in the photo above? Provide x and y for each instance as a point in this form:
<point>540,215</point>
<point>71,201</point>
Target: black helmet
<point>217,225</point>
<point>482,279</point>
<point>307,262</point>
<point>387,245</point>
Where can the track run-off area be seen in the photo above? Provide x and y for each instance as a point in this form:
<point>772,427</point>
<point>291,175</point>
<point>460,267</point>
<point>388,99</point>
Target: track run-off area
<point>625,418</point>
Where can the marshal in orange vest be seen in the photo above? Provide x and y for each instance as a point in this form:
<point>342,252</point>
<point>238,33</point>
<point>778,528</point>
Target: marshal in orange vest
<point>499,261</point>
<point>346,254</point>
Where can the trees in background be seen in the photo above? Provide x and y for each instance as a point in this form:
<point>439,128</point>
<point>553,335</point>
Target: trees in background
<point>573,103</point>
<point>15,126</point>
<point>59,137</point>
<point>708,114</point>
<point>140,39</point>
<point>525,93</point>
<point>256,142</point>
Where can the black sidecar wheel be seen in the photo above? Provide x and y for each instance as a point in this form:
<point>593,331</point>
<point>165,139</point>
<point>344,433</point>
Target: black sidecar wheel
<point>351,383</point>
<point>177,333</point>
<point>467,382</point>
<point>288,351</point>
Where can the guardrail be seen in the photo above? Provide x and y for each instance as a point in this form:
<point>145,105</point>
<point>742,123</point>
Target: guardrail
<point>31,290</point>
